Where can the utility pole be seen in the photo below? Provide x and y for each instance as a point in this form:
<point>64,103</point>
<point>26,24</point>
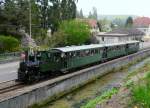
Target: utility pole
<point>30,31</point>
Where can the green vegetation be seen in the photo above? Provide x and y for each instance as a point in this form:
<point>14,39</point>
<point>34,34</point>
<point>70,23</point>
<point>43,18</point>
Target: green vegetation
<point>93,14</point>
<point>8,43</point>
<point>129,22</point>
<point>104,25</point>
<point>141,93</point>
<point>129,83</point>
<point>105,96</point>
<point>71,32</point>
<point>45,14</point>
<point>144,68</point>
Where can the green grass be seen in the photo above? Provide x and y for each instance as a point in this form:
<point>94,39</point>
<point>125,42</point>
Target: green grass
<point>2,58</point>
<point>141,93</point>
<point>144,68</point>
<point>105,96</point>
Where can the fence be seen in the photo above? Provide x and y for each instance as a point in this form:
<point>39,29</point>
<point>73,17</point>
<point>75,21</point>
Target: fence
<point>9,57</point>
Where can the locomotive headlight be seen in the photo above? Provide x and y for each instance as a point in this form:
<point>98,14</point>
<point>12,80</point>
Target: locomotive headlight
<point>26,72</point>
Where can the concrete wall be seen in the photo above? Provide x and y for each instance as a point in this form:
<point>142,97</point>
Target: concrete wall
<point>52,88</point>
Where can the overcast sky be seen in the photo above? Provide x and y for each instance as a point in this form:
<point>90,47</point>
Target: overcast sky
<point>116,7</point>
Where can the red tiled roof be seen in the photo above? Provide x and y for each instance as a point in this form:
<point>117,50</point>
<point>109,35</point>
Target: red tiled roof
<point>92,22</point>
<point>142,22</point>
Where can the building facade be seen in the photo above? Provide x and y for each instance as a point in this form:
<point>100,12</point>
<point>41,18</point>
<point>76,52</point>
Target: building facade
<point>120,35</point>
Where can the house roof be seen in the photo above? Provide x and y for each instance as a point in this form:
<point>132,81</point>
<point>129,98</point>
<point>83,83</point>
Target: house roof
<point>142,21</point>
<point>91,22</point>
<point>112,35</point>
<point>128,31</point>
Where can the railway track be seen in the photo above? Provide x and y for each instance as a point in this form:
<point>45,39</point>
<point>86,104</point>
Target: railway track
<point>11,88</point>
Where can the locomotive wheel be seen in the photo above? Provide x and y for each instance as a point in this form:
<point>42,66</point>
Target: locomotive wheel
<point>31,77</point>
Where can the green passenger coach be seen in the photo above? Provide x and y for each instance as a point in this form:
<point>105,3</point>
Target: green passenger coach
<point>77,56</point>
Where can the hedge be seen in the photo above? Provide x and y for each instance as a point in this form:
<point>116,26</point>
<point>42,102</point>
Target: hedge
<point>8,44</point>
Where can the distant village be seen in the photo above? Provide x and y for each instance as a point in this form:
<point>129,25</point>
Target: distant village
<point>139,31</point>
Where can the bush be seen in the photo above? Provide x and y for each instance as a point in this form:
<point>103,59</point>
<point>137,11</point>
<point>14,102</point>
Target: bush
<point>141,93</point>
<point>71,32</point>
<point>141,96</point>
<point>98,100</point>
<point>8,43</point>
<point>40,35</point>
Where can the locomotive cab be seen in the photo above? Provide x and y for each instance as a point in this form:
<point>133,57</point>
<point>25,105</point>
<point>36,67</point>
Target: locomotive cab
<point>29,66</point>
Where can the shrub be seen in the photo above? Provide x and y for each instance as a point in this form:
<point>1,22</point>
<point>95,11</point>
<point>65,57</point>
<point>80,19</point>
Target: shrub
<point>8,43</point>
<point>71,32</point>
<point>40,35</point>
<point>141,93</point>
<point>98,100</point>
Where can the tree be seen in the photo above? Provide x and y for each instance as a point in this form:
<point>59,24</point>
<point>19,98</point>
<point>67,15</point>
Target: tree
<point>77,14</point>
<point>45,14</point>
<point>105,25</point>
<point>129,22</point>
<point>8,43</point>
<point>68,9</point>
<point>90,15</point>
<point>93,14</point>
<point>72,32</point>
<point>118,22</point>
<point>81,14</point>
<point>14,15</point>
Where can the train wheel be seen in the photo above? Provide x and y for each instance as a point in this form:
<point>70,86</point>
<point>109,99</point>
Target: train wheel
<point>38,77</point>
<point>31,78</point>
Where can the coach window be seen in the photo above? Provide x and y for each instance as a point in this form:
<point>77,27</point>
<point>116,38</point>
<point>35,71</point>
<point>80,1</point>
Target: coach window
<point>78,54</point>
<point>83,53</point>
<point>74,54</point>
<point>67,55</point>
<point>118,47</point>
<point>38,55</point>
<point>86,52</point>
<point>99,50</point>
<point>96,51</point>
<point>71,54</point>
<point>62,55</point>
<point>113,48</point>
<point>57,57</point>
<point>92,52</point>
<point>49,54</point>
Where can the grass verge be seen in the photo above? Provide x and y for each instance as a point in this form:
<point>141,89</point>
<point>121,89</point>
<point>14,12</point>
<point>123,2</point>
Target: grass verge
<point>141,92</point>
<point>105,96</point>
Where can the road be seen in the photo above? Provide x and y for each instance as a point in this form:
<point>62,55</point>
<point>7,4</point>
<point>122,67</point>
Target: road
<point>8,71</point>
<point>144,45</point>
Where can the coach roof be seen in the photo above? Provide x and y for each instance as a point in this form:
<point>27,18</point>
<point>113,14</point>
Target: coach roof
<point>85,47</point>
<point>77,48</point>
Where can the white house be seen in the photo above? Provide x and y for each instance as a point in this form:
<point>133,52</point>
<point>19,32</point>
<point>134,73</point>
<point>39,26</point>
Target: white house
<point>120,35</point>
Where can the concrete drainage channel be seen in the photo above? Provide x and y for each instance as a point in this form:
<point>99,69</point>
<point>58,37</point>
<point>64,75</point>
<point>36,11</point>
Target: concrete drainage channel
<point>52,89</point>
